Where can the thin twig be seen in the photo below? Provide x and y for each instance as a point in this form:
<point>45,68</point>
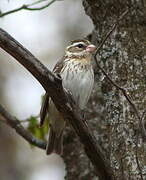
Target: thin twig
<point>28,7</point>
<point>110,32</point>
<point>107,76</point>
<point>138,115</point>
<point>121,89</point>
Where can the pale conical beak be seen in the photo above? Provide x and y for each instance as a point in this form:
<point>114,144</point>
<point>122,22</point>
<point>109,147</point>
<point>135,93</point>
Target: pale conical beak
<point>90,48</point>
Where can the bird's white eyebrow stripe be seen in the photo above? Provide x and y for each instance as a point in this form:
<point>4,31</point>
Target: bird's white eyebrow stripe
<point>75,44</point>
<point>78,43</point>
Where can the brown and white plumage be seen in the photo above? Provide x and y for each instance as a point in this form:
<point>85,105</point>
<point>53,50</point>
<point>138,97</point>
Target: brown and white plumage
<point>77,76</point>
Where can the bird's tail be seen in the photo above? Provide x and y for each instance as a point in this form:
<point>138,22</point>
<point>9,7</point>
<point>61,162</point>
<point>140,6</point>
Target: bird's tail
<point>55,142</point>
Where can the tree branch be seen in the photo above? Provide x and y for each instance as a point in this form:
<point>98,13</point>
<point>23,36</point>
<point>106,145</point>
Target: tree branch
<point>28,7</point>
<point>53,86</point>
<point>14,123</point>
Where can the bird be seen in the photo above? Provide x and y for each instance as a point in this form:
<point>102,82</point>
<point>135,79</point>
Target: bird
<point>76,71</point>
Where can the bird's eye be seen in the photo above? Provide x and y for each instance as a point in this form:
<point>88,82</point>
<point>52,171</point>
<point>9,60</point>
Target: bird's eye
<point>80,45</point>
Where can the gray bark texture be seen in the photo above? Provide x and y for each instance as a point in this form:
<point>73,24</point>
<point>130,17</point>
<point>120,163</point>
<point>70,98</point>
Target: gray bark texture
<point>119,126</point>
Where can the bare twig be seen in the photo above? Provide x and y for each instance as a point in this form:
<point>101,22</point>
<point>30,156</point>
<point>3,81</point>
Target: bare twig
<point>53,86</point>
<point>121,89</point>
<point>108,77</point>
<point>110,31</point>
<point>28,7</point>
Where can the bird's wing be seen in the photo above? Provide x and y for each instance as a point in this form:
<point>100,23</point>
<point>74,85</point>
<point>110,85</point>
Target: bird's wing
<point>44,108</point>
<point>59,65</point>
<point>45,103</point>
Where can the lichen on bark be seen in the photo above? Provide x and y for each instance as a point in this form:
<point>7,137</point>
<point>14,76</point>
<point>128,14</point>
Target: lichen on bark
<point>113,120</point>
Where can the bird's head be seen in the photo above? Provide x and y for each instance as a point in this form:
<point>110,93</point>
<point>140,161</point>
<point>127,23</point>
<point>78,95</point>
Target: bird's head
<point>80,48</point>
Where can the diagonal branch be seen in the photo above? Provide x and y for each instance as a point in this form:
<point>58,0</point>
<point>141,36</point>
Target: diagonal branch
<point>53,86</point>
<point>28,7</point>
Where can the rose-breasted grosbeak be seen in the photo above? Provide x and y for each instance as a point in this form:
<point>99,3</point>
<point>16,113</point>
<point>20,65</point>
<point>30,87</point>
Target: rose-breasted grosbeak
<point>77,76</point>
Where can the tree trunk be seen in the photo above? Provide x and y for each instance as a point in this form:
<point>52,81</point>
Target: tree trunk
<point>118,125</point>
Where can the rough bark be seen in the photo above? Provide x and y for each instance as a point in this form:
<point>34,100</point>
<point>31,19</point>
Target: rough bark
<point>115,123</point>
